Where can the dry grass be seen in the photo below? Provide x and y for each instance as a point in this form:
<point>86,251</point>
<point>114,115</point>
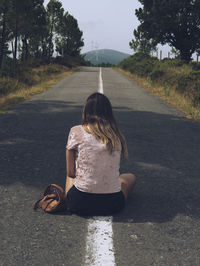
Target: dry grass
<point>179,101</point>
<point>24,93</point>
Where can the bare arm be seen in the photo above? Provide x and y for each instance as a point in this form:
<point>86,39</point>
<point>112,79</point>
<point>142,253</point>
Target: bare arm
<point>71,169</point>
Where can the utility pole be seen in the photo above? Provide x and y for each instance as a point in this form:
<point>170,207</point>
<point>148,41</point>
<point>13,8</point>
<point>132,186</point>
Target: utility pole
<point>92,45</point>
<point>160,54</point>
<point>96,48</point>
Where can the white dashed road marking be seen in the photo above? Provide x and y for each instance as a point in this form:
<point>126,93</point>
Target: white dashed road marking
<point>99,242</point>
<point>100,89</point>
<point>99,248</point>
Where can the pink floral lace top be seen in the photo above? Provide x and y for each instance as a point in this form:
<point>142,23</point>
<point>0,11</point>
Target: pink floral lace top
<point>97,171</point>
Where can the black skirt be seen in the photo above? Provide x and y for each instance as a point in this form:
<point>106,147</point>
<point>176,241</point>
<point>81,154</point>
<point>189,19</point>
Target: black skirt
<point>87,204</point>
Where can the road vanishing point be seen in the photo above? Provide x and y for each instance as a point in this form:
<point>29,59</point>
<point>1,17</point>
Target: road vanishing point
<point>161,222</point>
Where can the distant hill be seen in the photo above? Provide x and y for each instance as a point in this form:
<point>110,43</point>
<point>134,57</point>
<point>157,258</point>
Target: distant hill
<point>105,56</point>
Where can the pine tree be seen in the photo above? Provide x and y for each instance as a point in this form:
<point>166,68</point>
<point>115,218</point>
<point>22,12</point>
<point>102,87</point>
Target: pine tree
<point>33,27</point>
<point>54,16</point>
<point>4,29</point>
<point>70,39</point>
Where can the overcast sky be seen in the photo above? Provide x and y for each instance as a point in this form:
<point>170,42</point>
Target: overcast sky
<point>106,24</point>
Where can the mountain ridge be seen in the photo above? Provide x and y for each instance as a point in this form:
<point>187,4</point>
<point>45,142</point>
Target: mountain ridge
<point>107,56</point>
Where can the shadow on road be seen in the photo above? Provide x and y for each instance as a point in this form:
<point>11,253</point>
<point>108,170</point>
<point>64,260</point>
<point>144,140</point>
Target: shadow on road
<point>164,154</point>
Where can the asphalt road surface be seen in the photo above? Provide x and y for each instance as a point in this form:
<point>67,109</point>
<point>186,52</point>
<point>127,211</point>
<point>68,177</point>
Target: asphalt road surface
<point>161,222</point>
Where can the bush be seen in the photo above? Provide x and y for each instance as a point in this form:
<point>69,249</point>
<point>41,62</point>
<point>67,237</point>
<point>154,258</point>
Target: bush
<point>195,65</point>
<point>196,97</point>
<point>7,67</point>
<point>26,76</point>
<point>188,81</point>
<point>170,73</point>
<point>51,69</point>
<point>70,61</point>
<point>183,82</point>
<point>8,85</point>
<point>156,74</point>
<point>174,62</point>
<point>139,63</point>
<point>194,75</point>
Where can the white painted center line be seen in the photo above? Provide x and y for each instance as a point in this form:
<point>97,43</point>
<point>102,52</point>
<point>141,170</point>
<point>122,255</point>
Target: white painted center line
<point>99,242</point>
<point>100,90</point>
<point>99,245</point>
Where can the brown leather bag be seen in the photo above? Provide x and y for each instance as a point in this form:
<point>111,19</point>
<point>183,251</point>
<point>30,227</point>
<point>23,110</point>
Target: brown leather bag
<point>53,200</point>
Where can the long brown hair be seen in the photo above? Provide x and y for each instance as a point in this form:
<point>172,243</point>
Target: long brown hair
<point>98,119</point>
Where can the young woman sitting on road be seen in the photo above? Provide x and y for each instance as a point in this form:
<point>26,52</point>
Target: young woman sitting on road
<point>93,183</point>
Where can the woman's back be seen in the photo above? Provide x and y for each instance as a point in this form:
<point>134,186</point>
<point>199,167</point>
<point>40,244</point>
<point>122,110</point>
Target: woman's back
<point>93,183</point>
<point>97,169</point>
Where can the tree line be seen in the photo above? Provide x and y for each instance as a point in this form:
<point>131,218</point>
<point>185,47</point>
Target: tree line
<point>29,31</point>
<point>176,23</point>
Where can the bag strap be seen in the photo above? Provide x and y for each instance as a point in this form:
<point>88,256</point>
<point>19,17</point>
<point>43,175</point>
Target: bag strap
<point>48,189</point>
<point>58,187</point>
<point>46,204</point>
<point>38,203</point>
